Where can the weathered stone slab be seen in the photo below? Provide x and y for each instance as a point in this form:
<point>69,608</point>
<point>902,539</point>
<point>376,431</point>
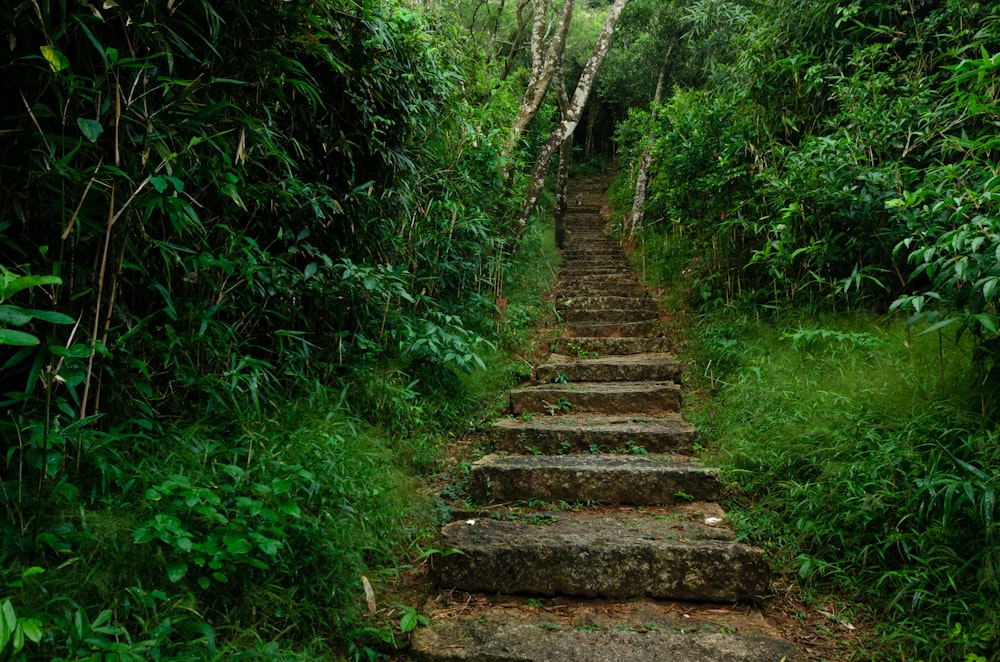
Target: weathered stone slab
<point>577,289</point>
<point>582,346</point>
<point>584,236</point>
<point>586,242</point>
<point>609,316</point>
<point>585,221</point>
<point>596,270</point>
<point>592,251</point>
<point>629,368</point>
<point>639,299</point>
<point>603,478</point>
<point>599,279</point>
<point>612,329</point>
<point>600,397</point>
<point>670,555</point>
<point>589,432</point>
<point>479,640</point>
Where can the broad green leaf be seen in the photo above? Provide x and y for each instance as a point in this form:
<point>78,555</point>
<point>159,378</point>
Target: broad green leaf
<point>91,129</point>
<point>18,338</point>
<point>237,544</point>
<point>939,325</point>
<point>143,535</point>
<point>57,61</point>
<point>176,571</point>
<point>988,321</point>
<point>14,315</point>
<point>409,621</point>
<point>310,270</point>
<point>290,508</point>
<point>32,629</point>
<point>24,282</point>
<point>5,624</point>
<point>159,183</point>
<point>51,316</point>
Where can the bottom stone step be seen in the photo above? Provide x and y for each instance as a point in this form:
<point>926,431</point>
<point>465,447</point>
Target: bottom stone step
<point>467,627</point>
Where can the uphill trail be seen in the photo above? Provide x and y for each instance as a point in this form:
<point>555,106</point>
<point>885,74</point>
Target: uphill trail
<point>601,537</point>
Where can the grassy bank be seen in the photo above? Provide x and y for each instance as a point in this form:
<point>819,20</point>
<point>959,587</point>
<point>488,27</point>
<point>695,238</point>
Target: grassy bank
<point>862,454</point>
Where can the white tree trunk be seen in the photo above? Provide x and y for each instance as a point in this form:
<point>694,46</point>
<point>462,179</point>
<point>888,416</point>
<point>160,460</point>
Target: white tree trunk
<point>565,154</point>
<point>642,178</point>
<point>572,116</point>
<point>543,65</point>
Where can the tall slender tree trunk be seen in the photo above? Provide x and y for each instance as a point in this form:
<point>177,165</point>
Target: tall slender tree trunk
<point>543,65</point>
<point>515,46</point>
<point>572,116</point>
<point>565,154</point>
<point>642,177</point>
<point>494,29</point>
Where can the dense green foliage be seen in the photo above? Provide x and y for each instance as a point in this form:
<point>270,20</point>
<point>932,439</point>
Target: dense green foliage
<point>865,475</point>
<point>834,157</point>
<point>254,256</point>
<point>836,153</point>
<point>250,257</point>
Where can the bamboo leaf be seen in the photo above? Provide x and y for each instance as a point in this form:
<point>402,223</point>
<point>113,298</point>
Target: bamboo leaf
<point>91,129</point>
<point>57,61</point>
<point>17,338</point>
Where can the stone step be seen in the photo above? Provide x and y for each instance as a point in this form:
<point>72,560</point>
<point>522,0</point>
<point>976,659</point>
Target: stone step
<point>588,230</point>
<point>583,289</point>
<point>580,251</point>
<point>600,279</point>
<point>464,627</point>
<point>642,480</point>
<point>639,299</point>
<point>571,272</point>
<point>641,329</point>
<point>597,264</point>
<point>596,226</point>
<point>676,553</point>
<point>610,249</point>
<point>583,258</point>
<point>608,254</point>
<point>590,346</point>
<point>585,236</point>
<point>659,367</point>
<point>616,264</point>
<point>597,397</point>
<point>588,240</point>
<point>581,433</point>
<point>633,315</point>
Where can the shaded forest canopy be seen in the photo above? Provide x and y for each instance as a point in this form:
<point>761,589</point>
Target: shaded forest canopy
<point>256,255</point>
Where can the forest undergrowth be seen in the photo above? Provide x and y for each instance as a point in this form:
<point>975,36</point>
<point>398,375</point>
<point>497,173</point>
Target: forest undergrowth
<point>861,454</point>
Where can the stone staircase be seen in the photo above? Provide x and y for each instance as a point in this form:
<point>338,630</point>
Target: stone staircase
<point>600,537</point>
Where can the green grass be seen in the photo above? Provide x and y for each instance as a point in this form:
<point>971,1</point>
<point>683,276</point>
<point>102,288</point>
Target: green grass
<point>866,467</point>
